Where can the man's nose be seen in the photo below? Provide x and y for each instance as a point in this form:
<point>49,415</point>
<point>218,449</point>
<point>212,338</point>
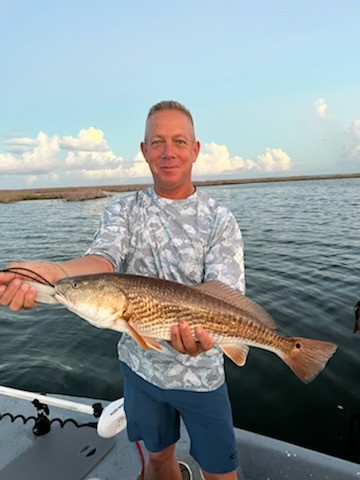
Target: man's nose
<point>168,150</point>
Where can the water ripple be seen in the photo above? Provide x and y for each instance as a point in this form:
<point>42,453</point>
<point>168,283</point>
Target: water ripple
<point>302,264</point>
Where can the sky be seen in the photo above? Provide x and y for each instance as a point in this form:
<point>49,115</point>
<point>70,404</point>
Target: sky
<point>273,86</point>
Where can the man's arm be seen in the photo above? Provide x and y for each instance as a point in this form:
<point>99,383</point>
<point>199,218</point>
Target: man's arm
<point>17,295</point>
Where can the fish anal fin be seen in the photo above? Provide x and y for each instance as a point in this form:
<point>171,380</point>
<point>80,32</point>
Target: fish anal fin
<point>227,294</point>
<point>237,353</point>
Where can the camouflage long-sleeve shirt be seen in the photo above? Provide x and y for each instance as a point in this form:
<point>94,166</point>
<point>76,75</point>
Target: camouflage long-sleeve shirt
<point>189,241</point>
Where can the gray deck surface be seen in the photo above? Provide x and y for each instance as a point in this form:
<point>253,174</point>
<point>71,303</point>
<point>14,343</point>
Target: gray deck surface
<point>261,458</point>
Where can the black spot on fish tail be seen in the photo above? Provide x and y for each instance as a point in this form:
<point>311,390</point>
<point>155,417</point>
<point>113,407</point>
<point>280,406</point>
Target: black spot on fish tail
<point>308,357</point>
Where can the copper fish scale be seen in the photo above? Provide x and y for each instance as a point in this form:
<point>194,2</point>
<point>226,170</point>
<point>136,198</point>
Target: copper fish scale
<point>156,313</point>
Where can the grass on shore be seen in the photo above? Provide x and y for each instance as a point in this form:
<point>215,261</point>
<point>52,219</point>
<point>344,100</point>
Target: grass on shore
<point>90,193</point>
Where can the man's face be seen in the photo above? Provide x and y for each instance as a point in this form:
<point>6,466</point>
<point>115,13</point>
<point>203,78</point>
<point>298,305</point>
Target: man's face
<point>170,150</point>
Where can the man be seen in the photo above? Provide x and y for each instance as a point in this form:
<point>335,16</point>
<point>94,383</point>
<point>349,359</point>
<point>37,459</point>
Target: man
<point>174,232</point>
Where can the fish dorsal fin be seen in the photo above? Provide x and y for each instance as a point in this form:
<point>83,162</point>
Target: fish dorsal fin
<point>225,293</point>
<point>218,290</point>
<point>237,353</point>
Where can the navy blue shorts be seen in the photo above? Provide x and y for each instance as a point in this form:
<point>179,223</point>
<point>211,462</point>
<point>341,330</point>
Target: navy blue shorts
<point>153,415</point>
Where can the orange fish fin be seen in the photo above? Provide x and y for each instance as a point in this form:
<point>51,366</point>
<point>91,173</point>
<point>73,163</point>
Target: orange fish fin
<point>139,339</point>
<point>227,294</point>
<point>308,357</point>
<point>237,353</point>
<point>218,290</point>
<point>153,343</point>
<point>144,341</point>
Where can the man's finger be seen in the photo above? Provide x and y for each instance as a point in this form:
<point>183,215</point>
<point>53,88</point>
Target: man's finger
<point>188,340</point>
<point>205,340</point>
<point>9,292</point>
<point>6,277</point>
<point>29,298</point>
<point>17,295</point>
<point>176,341</point>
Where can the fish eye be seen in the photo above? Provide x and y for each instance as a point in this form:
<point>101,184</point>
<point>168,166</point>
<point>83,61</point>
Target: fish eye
<point>75,285</point>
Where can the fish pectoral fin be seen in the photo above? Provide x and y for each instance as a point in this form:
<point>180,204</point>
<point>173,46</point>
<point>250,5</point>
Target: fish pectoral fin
<point>144,341</point>
<point>237,353</point>
<point>139,339</point>
<point>153,343</point>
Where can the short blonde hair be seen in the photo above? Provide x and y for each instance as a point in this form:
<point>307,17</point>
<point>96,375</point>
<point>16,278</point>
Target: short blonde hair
<point>169,105</point>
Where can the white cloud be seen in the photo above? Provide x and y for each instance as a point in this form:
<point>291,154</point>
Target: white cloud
<point>88,157</point>
<point>321,108</point>
<point>216,159</point>
<point>19,144</point>
<point>344,142</point>
<point>31,179</point>
<point>352,150</point>
<point>322,111</point>
<point>45,154</point>
<point>88,140</point>
<point>87,160</point>
<point>140,168</point>
<point>274,160</point>
<point>40,159</point>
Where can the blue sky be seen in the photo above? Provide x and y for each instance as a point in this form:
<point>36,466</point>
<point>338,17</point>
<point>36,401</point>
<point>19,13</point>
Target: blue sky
<point>274,86</point>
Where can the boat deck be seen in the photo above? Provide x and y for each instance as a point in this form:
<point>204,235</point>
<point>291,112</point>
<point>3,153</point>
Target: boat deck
<point>261,458</point>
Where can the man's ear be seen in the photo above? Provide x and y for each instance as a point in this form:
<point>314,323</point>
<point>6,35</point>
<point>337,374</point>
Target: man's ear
<point>143,149</point>
<point>196,150</point>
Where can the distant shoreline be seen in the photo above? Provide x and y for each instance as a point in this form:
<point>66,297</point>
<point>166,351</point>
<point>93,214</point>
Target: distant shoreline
<point>91,193</point>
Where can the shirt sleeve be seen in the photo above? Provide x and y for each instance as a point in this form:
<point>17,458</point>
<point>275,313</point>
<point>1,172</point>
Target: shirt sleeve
<point>224,260</point>
<point>111,240</point>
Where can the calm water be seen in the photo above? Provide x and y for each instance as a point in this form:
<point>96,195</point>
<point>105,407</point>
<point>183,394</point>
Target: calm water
<point>302,244</point>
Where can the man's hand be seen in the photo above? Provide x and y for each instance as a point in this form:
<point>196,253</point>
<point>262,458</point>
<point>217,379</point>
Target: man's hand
<point>16,294</point>
<point>183,341</point>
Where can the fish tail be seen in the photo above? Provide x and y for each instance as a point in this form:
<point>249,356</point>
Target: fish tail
<point>308,357</point>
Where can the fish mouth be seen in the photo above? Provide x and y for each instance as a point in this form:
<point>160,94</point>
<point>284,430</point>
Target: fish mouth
<point>60,296</point>
<point>69,305</point>
<point>61,299</point>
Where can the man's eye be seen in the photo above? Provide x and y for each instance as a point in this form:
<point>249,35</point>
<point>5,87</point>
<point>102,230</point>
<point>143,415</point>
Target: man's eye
<point>156,142</point>
<point>180,141</point>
